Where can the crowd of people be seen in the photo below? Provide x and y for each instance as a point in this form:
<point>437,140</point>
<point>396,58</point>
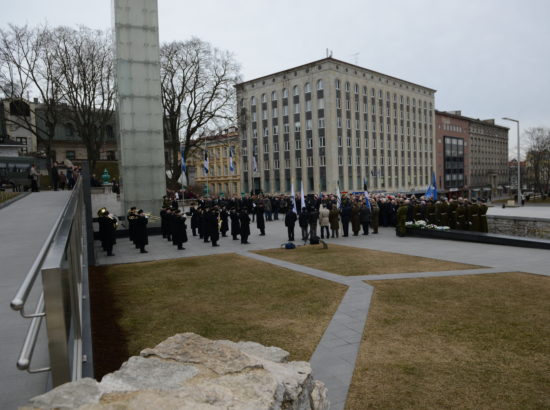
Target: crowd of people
<point>317,216</point>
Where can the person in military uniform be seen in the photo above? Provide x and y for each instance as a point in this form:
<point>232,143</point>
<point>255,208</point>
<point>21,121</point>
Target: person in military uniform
<point>355,220</point>
<point>235,223</point>
<point>364,217</point>
<point>164,223</point>
<point>212,227</point>
<point>334,219</point>
<point>346,217</point>
<point>374,218</point>
<point>224,216</point>
<point>131,217</point>
<point>245,225</point>
<point>107,230</point>
<point>179,233</point>
<point>260,220</point>
<point>194,219</point>
<point>140,231</point>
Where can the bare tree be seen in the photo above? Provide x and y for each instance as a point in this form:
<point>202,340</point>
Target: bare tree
<point>538,157</point>
<point>27,65</point>
<point>84,60</point>
<point>198,94</point>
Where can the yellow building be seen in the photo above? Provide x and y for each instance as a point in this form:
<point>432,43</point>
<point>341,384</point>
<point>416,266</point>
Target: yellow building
<point>219,179</point>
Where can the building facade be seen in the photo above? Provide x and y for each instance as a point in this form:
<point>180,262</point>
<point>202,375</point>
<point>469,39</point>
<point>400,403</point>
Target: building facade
<point>220,179</point>
<point>330,123</point>
<point>452,141</point>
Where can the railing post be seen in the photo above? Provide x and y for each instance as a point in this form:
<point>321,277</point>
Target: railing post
<point>86,192</point>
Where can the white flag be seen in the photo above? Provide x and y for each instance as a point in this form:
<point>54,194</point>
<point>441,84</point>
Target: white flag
<point>338,195</point>
<point>254,164</point>
<point>293,198</point>
<point>302,198</point>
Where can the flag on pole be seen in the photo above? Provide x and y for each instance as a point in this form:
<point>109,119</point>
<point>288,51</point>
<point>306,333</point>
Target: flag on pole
<point>231,166</point>
<point>205,163</point>
<point>254,164</point>
<point>434,186</point>
<point>183,178</point>
<point>338,195</point>
<point>293,199</point>
<point>367,202</point>
<point>302,198</point>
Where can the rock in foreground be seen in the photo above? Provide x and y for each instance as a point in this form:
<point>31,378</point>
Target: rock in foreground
<point>188,371</point>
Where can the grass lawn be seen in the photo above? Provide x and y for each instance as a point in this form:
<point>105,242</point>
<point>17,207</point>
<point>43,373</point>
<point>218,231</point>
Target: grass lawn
<point>471,342</point>
<point>227,296</point>
<point>6,196</point>
<point>350,261</point>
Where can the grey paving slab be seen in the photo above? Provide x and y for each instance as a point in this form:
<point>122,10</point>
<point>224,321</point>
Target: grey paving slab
<point>24,226</point>
<point>463,272</point>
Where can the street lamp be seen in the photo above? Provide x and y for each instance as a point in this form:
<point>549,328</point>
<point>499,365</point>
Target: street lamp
<point>519,161</point>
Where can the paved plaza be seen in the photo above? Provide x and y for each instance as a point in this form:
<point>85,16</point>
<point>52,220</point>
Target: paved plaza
<point>26,223</point>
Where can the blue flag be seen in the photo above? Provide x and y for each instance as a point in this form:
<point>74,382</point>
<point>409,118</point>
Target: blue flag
<point>205,163</point>
<point>231,166</point>
<point>434,186</point>
<point>367,202</point>
<point>183,164</point>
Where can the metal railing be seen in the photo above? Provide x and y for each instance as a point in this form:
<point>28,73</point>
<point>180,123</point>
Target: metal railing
<point>60,263</point>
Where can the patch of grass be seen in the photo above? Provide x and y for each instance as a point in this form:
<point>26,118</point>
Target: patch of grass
<point>6,196</point>
<point>218,296</point>
<point>350,261</point>
<point>469,342</point>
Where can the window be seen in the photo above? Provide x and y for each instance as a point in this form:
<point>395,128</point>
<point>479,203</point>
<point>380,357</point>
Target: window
<point>321,141</point>
<point>321,103</point>
<point>339,122</point>
<point>285,110</point>
<point>357,124</point>
<point>298,144</point>
<point>286,128</point>
<point>70,155</point>
<point>307,88</point>
<point>264,98</point>
<point>264,114</point>
<point>253,101</point>
<point>274,112</point>
<point>356,89</point>
<point>244,151</point>
<point>266,165</point>
<point>297,108</point>
<point>309,161</point>
<point>356,106</point>
<point>296,90</point>
<point>337,84</point>
<point>310,142</point>
<point>266,132</point>
<point>319,84</point>
<point>287,163</point>
<point>321,122</point>
<point>254,133</point>
<point>348,104</point>
<point>274,96</point>
<point>298,162</point>
<point>337,102</point>
<point>275,130</point>
<point>276,164</point>
<point>322,161</point>
<point>308,105</point>
<point>285,93</point>
<point>245,166</point>
<point>297,126</point>
<point>364,90</point>
<point>348,141</point>
<point>254,116</point>
<point>347,85</point>
<point>287,146</point>
<point>308,124</point>
<point>348,124</point>
<point>339,140</point>
<point>340,162</point>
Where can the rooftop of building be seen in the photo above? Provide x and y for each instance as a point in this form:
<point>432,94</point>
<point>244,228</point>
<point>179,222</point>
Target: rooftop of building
<point>458,115</point>
<point>220,134</point>
<point>334,60</point>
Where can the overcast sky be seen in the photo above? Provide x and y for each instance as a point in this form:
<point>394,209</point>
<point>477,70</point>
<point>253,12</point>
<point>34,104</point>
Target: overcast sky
<point>488,58</point>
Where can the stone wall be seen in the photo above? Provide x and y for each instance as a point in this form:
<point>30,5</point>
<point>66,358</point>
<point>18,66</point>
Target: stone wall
<point>519,226</point>
<point>189,372</point>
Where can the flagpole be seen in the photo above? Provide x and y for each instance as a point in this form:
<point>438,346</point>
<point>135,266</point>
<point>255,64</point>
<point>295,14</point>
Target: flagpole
<point>208,171</point>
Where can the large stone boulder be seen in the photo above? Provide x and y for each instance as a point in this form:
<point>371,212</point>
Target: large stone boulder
<point>187,371</point>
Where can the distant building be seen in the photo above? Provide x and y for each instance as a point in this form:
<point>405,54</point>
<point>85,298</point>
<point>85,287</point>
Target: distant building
<point>17,118</point>
<point>472,155</point>
<point>220,180</point>
<point>452,141</point>
<point>330,122</point>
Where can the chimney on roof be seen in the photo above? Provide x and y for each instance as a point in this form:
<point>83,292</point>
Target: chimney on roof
<point>490,121</point>
<point>458,112</point>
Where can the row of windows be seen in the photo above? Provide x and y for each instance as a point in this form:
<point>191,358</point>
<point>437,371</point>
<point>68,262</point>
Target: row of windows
<point>295,92</point>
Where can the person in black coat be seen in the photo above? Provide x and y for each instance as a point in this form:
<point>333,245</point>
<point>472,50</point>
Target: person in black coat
<point>303,221</point>
<point>260,220</point>
<point>235,224</point>
<point>244,220</point>
<point>131,218</point>
<point>346,217</point>
<point>107,231</point>
<point>313,219</point>
<point>140,231</point>
<point>224,216</point>
<point>179,234</point>
<point>364,218</point>
<point>164,222</point>
<point>290,221</point>
<point>203,221</point>
<point>194,220</point>
<point>212,229</point>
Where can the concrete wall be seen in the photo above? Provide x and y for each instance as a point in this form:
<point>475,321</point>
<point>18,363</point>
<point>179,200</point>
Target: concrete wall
<point>519,226</point>
<point>139,105</point>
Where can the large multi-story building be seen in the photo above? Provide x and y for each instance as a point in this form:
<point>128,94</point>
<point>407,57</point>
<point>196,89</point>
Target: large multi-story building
<point>472,155</point>
<point>220,179</point>
<point>452,141</point>
<point>330,122</point>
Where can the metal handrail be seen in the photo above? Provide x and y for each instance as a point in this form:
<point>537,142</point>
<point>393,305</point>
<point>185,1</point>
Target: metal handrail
<point>25,357</point>
<point>18,302</point>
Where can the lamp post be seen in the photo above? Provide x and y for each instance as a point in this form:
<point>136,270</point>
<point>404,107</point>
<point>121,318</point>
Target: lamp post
<point>519,160</point>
